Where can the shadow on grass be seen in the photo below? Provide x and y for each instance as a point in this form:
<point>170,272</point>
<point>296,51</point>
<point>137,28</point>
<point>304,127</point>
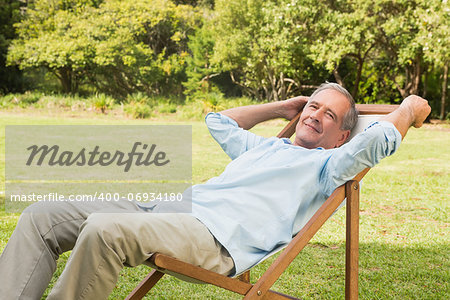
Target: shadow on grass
<point>386,272</point>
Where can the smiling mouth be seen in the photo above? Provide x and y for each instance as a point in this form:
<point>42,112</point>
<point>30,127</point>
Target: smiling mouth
<point>312,127</point>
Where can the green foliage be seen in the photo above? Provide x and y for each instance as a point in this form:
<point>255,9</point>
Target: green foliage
<point>49,36</point>
<point>101,102</point>
<point>168,108</point>
<point>264,45</point>
<point>212,102</point>
<point>434,31</point>
<point>380,50</point>
<point>137,110</point>
<point>117,46</point>
<point>11,79</point>
<point>138,106</point>
<point>141,106</point>
<point>138,97</point>
<point>199,69</point>
<point>391,43</point>
<point>20,100</point>
<point>145,53</point>
<point>345,30</point>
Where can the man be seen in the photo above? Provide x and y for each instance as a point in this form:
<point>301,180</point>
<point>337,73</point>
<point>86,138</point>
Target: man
<point>265,195</point>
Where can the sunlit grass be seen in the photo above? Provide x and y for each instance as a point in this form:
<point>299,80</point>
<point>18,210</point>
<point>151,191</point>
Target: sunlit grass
<point>404,226</point>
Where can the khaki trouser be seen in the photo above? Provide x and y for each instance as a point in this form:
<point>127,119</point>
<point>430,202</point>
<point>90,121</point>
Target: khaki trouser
<point>104,238</point>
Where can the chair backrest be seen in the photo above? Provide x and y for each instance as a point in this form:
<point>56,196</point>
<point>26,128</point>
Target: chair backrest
<point>363,122</point>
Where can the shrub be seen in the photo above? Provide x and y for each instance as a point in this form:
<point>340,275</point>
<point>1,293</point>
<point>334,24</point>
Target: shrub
<point>138,97</point>
<point>167,108</point>
<point>102,102</point>
<point>137,110</point>
<point>22,100</point>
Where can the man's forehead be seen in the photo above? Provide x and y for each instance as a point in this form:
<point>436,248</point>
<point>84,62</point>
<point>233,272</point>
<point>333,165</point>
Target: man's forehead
<point>327,107</point>
<point>333,101</point>
<point>330,98</point>
<point>329,94</point>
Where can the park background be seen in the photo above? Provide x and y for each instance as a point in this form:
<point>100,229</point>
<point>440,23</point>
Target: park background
<point>170,62</point>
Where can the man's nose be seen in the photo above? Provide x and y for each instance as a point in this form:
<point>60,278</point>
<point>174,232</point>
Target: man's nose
<point>316,115</point>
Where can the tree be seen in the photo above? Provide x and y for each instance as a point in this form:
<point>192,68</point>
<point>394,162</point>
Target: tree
<point>379,36</point>
<point>200,70</point>
<point>346,30</point>
<point>434,33</point>
<point>264,44</point>
<point>141,45</point>
<point>49,36</point>
<point>119,47</point>
<point>397,44</point>
<point>10,77</point>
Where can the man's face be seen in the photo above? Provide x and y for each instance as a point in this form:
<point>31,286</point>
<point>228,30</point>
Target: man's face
<point>321,120</point>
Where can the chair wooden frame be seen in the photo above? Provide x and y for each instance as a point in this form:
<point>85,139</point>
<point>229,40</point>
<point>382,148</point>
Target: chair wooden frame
<point>261,289</point>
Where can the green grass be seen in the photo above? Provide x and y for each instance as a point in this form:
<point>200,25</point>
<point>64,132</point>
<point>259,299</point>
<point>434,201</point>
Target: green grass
<point>404,226</point>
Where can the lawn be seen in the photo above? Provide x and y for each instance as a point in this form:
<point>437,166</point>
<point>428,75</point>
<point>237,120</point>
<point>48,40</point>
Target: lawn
<point>404,225</point>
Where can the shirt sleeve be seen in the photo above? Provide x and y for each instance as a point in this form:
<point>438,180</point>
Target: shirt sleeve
<point>233,139</point>
<point>365,150</point>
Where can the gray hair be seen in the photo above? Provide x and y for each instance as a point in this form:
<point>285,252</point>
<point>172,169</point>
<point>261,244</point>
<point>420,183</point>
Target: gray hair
<point>351,116</point>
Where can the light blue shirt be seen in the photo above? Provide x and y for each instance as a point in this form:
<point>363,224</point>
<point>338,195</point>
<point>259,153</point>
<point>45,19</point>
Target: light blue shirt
<point>271,188</point>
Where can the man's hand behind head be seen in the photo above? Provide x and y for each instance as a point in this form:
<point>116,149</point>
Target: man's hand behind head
<point>418,109</point>
<point>412,112</point>
<point>292,106</point>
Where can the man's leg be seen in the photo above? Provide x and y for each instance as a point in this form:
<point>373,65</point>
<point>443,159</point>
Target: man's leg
<point>109,241</point>
<point>44,231</point>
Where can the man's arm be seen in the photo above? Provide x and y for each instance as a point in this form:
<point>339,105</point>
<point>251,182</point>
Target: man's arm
<point>249,116</point>
<point>412,112</point>
<point>369,147</point>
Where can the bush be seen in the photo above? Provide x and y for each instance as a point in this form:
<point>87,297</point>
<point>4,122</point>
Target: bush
<point>138,105</point>
<point>137,110</point>
<point>138,97</point>
<point>56,101</point>
<point>167,108</point>
<point>102,102</point>
<point>21,100</point>
<point>198,108</point>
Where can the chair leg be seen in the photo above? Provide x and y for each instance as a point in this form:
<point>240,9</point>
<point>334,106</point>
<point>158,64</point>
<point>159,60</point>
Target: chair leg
<point>145,285</point>
<point>352,240</point>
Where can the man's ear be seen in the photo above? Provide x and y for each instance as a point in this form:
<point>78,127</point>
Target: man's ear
<point>344,136</point>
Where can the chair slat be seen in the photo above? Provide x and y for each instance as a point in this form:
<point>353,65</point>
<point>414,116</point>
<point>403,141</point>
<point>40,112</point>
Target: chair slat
<point>375,109</point>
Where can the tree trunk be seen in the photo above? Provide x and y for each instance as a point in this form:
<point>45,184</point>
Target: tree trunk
<point>358,77</point>
<point>248,90</point>
<point>65,77</point>
<point>405,91</point>
<point>415,78</point>
<point>425,80</point>
<point>338,77</point>
<point>444,91</point>
<point>273,80</point>
<point>361,60</point>
<point>282,89</point>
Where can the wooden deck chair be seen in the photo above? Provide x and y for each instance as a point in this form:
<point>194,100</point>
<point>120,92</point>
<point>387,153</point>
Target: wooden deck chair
<point>261,289</point>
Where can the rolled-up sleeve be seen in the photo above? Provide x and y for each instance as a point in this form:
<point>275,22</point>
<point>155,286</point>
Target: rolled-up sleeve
<point>233,139</point>
<point>379,140</point>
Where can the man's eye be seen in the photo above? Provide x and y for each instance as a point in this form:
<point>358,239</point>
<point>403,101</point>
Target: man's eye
<point>330,115</point>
